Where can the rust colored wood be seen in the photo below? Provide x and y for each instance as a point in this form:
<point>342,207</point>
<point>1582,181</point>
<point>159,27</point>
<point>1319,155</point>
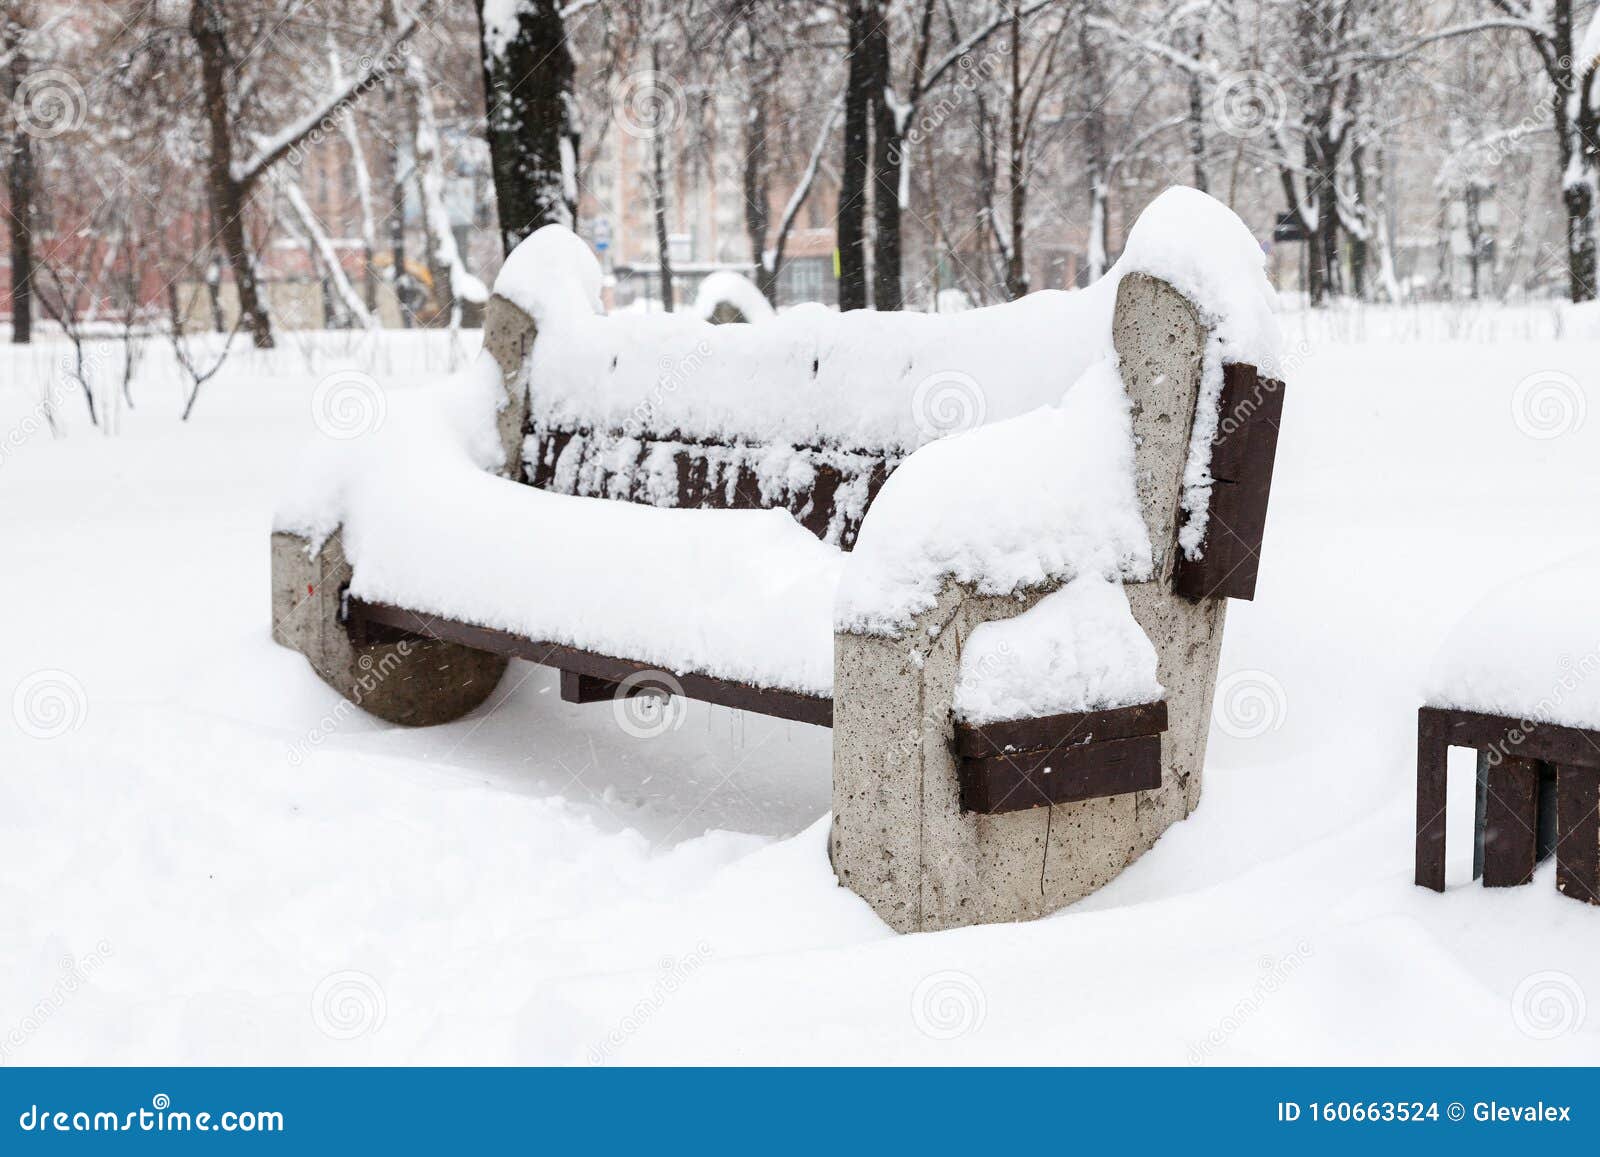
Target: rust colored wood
<point>1052,731</point>
<point>1242,458</point>
<point>1432,755</point>
<point>1016,781</point>
<point>711,474</point>
<point>1547,742</point>
<point>1510,822</point>
<point>1578,832</point>
<point>362,616</point>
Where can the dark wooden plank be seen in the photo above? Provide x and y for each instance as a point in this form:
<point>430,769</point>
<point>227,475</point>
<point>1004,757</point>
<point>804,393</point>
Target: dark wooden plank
<point>1432,765</point>
<point>1578,834</point>
<point>1242,459</point>
<point>1017,781</point>
<point>1546,742</point>
<point>1510,821</point>
<point>576,688</point>
<point>707,477</point>
<point>780,704</point>
<point>1052,731</point>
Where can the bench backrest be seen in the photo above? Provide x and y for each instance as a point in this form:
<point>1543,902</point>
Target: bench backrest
<point>809,411</point>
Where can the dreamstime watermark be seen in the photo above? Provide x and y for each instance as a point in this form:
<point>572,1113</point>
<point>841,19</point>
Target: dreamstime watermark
<point>349,404</point>
<point>50,102</point>
<point>1549,404</point>
<point>349,1004</point>
<point>1243,409</point>
<point>971,73</point>
<point>675,972</point>
<point>1249,704</point>
<point>1249,104</point>
<point>948,402</point>
<point>76,972</point>
<point>1574,673</point>
<point>948,1005</point>
<point>371,674</point>
<point>648,103</point>
<point>1547,1005</point>
<point>373,71</point>
<point>649,703</point>
<point>1275,973</point>
<point>673,373</point>
<point>48,704</point>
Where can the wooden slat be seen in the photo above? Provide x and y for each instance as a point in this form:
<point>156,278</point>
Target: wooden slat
<point>1242,459</point>
<point>1547,742</point>
<point>1017,781</point>
<point>1510,822</point>
<point>1578,832</point>
<point>1432,761</point>
<point>364,616</point>
<point>1054,731</point>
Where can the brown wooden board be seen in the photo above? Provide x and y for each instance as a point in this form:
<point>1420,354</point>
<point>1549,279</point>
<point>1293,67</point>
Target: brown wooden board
<point>1242,458</point>
<point>1578,833</point>
<point>1433,753</point>
<point>363,617</point>
<point>1513,811</point>
<point>1548,742</point>
<point>1021,780</point>
<point>1510,822</point>
<point>711,474</point>
<point>1053,731</point>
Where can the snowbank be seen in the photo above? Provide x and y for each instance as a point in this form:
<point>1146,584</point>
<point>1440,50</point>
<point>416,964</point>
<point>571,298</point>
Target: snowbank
<point>726,286</point>
<point>1077,649</point>
<point>1530,650</point>
<point>1045,497</point>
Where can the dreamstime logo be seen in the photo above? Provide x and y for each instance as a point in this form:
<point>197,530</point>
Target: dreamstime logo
<point>48,704</point>
<point>649,103</point>
<point>948,1005</point>
<point>1249,104</point>
<point>349,404</point>
<point>1547,1005</point>
<point>76,972</point>
<point>649,703</point>
<point>1548,404</point>
<point>49,103</point>
<point>1249,703</point>
<point>948,402</point>
<point>349,1004</point>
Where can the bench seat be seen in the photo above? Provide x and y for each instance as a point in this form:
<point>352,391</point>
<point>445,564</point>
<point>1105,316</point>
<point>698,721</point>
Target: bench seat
<point>742,595</point>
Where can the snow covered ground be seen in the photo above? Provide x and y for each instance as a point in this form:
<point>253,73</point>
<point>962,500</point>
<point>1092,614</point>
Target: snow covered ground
<point>204,857</point>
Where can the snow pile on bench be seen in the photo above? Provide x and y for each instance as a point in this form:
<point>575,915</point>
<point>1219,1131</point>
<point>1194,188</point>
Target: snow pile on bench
<point>1077,649</point>
<point>745,595</point>
<point>883,381</point>
<point>1530,650</point>
<point>1042,498</point>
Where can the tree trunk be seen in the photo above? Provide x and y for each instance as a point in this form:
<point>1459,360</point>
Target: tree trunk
<point>1016,258</point>
<point>533,139</point>
<point>1358,243</point>
<point>658,195</point>
<point>1095,143</point>
<point>853,167</point>
<point>20,183</point>
<point>1197,120</point>
<point>886,161</point>
<point>227,197</point>
<point>757,208</point>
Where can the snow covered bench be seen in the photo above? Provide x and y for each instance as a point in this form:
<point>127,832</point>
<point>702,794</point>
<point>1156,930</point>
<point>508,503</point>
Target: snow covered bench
<point>991,550</point>
<point>1516,681</point>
